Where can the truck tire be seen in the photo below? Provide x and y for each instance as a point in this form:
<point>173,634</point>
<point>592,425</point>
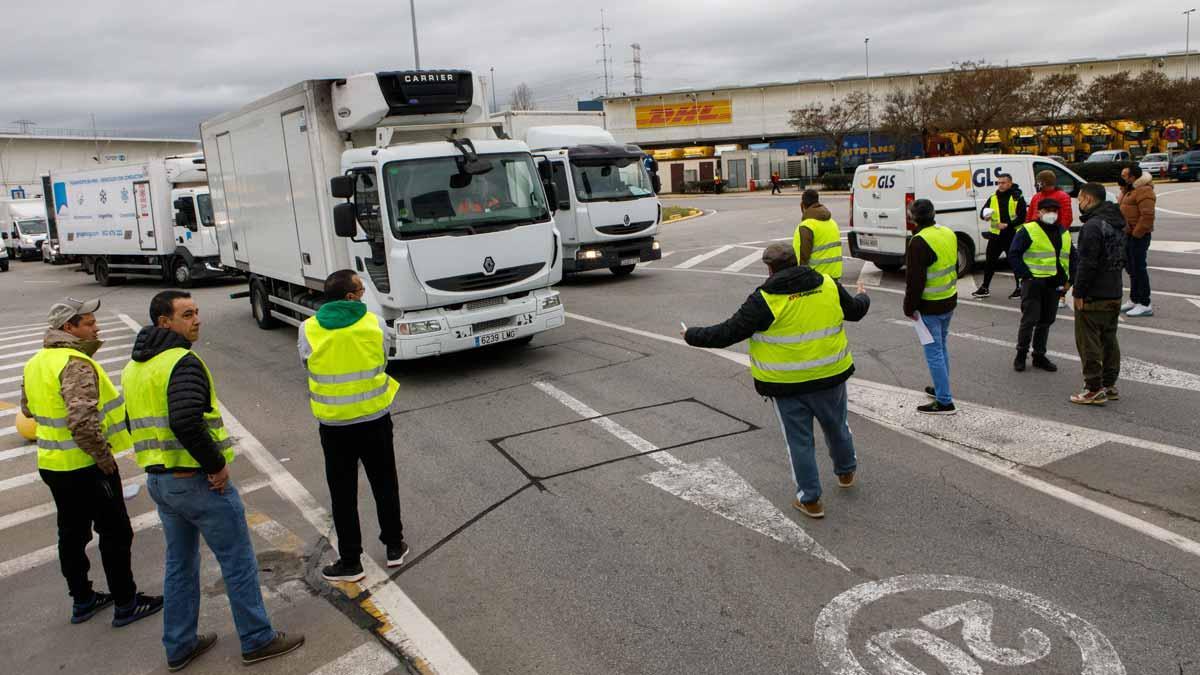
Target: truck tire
<point>966,256</point>
<point>181,273</point>
<point>622,270</point>
<point>260,306</point>
<point>103,274</point>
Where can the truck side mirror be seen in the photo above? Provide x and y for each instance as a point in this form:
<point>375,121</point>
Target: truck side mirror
<point>345,224</point>
<point>655,182</point>
<point>551,195</point>
<point>342,187</point>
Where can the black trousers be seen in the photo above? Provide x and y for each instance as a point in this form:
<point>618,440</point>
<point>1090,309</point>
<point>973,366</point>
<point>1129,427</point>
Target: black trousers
<point>1039,309</point>
<point>86,498</point>
<point>997,246</point>
<point>371,444</point>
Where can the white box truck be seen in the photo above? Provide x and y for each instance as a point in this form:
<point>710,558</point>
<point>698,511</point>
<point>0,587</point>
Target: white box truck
<point>401,177</point>
<point>22,227</point>
<point>608,208</point>
<point>152,219</point>
<point>959,187</point>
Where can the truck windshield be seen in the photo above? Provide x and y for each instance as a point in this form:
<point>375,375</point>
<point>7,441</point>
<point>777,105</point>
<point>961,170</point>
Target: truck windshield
<point>204,206</point>
<point>32,226</point>
<point>429,197</point>
<point>615,179</point>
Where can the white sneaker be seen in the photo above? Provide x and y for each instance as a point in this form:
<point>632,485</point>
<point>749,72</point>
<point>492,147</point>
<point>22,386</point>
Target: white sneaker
<point>1062,303</point>
<point>1128,306</point>
<point>1141,310</point>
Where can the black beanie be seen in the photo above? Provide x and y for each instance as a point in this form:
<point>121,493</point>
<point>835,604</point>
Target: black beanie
<point>923,212</point>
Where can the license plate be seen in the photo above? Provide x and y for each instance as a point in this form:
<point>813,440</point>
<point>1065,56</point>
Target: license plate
<point>867,241</point>
<point>493,338</point>
<point>630,261</point>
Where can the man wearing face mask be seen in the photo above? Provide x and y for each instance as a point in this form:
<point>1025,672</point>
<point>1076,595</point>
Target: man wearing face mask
<point>1040,257</point>
<point>1100,258</point>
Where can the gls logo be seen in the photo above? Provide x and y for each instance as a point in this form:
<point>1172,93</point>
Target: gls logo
<point>961,178</point>
<point>879,182</point>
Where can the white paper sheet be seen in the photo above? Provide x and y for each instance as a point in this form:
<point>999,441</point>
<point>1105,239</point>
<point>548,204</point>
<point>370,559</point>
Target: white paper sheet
<point>923,333</point>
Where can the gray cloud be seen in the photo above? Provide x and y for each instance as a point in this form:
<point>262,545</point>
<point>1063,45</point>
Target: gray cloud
<point>161,68</point>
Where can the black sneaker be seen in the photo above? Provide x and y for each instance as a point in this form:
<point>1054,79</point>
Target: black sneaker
<point>930,391</point>
<point>343,571</point>
<point>204,642</point>
<point>1015,294</point>
<point>1044,363</point>
<point>282,644</point>
<point>981,293</point>
<point>140,607</point>
<point>1019,363</point>
<point>936,408</point>
<point>81,613</point>
<point>395,554</point>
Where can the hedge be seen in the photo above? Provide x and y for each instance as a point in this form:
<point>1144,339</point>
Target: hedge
<point>1100,172</point>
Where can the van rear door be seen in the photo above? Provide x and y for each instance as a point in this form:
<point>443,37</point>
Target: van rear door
<point>880,202</point>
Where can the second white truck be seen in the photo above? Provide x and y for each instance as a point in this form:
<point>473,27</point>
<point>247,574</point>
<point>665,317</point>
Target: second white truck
<point>22,227</point>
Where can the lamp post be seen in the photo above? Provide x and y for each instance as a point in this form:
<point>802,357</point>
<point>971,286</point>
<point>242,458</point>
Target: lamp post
<point>1187,43</point>
<point>867,49</point>
<point>493,71</point>
<point>412,7</point>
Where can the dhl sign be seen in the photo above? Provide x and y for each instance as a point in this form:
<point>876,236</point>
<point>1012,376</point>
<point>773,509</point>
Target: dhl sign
<point>684,114</point>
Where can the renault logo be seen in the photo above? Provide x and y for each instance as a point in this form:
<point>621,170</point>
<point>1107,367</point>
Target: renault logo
<point>489,265</point>
<point>626,219</point>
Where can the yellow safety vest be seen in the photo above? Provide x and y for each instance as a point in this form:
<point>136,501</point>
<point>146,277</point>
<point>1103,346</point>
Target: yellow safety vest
<point>994,205</point>
<point>806,341</point>
<point>827,246</point>
<point>941,279</point>
<point>1040,255</point>
<point>154,443</point>
<point>57,450</point>
<point>347,378</point>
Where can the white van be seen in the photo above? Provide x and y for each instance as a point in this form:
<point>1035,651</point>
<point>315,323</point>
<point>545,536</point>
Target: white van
<point>959,188</point>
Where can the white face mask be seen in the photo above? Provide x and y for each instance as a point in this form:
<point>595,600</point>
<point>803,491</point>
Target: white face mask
<point>1049,217</point>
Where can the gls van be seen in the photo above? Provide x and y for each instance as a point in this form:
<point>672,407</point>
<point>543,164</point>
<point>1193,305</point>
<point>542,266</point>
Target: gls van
<point>959,188</point>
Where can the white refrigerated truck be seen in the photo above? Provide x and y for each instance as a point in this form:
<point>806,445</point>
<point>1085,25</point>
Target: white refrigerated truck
<point>22,227</point>
<point>401,177</point>
<point>152,219</point>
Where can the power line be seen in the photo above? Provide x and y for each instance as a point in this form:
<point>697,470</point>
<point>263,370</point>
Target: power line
<point>637,68</point>
<point>604,45</point>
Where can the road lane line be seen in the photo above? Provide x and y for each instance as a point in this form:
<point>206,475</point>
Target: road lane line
<point>106,348</point>
<point>369,658</point>
<point>19,481</point>
<point>18,378</point>
<point>743,263</point>
<point>696,260</point>
<point>42,510</point>
<point>1177,270</point>
<point>870,274</point>
<point>18,452</point>
<point>10,332</point>
<point>998,465</point>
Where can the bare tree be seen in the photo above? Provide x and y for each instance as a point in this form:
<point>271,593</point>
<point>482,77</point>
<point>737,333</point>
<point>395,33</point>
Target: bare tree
<point>833,122</point>
<point>1052,103</point>
<point>906,117</point>
<point>1151,100</point>
<point>522,98</point>
<point>977,99</point>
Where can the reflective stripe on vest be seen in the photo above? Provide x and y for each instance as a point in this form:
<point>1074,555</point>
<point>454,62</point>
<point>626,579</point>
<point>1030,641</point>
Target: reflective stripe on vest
<point>941,279</point>
<point>806,341</point>
<point>154,443</point>
<point>827,246</point>
<point>347,371</point>
<point>994,205</point>
<point>1040,256</point>
<point>57,450</point>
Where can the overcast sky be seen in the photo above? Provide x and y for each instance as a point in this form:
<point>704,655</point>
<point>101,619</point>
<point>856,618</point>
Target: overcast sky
<point>162,67</point>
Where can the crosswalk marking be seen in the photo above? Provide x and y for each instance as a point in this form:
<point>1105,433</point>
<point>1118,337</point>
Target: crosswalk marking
<point>370,658</point>
<point>42,510</point>
<point>696,260</point>
<point>108,347</point>
<point>31,330</point>
<point>745,262</point>
<point>18,452</point>
<point>18,378</point>
<point>18,481</point>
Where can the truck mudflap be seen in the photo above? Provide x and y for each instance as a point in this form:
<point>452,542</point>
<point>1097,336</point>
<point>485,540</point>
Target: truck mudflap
<point>605,255</point>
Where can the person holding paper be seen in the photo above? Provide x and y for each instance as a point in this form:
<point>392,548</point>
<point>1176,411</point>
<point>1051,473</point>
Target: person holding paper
<point>930,296</point>
<point>800,359</point>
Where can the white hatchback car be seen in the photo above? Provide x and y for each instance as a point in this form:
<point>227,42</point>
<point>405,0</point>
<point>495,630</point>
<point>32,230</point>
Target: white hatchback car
<point>1156,164</point>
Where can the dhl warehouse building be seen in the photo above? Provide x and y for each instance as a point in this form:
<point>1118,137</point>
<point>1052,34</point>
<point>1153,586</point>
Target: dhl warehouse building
<point>741,132</point>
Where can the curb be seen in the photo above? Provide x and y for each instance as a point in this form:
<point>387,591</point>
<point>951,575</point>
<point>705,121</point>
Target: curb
<point>702,212</point>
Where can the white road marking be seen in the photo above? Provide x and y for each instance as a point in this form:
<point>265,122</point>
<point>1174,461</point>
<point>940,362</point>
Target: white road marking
<point>966,286</point>
<point>710,484</point>
<point>28,352</point>
<point>28,330</point>
<point>140,522</point>
<point>696,260</point>
<point>19,481</point>
<point>369,658</point>
<point>896,398</point>
<point>1175,246</point>
<point>834,644</point>
<point>1177,213</point>
<point>18,452</point>
<point>870,274</point>
<point>668,254</point>
<point>18,378</point>
<point>743,263</point>
<point>42,510</point>
<point>1194,302</point>
<point>1177,270</point>
<point>9,411</point>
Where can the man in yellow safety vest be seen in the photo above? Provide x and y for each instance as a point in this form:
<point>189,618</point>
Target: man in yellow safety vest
<point>931,295</point>
<point>350,393</point>
<point>80,419</point>
<point>817,242</point>
<point>800,358</point>
<point>1005,212</point>
<point>1041,259</point>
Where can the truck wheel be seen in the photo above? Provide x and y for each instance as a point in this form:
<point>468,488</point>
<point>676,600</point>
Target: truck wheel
<point>260,306</point>
<point>103,275</point>
<point>181,273</point>
<point>622,270</point>
<point>966,256</point>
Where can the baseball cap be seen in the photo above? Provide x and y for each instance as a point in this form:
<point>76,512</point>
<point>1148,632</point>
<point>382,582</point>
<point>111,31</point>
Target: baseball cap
<point>779,256</point>
<point>1048,205</point>
<point>63,310</point>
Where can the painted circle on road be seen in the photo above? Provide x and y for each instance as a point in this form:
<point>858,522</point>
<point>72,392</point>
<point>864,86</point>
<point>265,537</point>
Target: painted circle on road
<point>833,643</point>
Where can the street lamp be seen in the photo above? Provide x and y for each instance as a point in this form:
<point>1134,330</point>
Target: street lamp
<point>493,70</point>
<point>867,49</point>
<point>412,7</point>
<point>1187,43</point>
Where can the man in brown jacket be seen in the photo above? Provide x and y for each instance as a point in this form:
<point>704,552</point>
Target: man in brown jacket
<point>1137,207</point>
<point>90,496</point>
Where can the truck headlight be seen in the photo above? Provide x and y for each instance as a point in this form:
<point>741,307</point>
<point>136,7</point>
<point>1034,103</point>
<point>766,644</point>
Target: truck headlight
<point>551,302</point>
<point>418,327</point>
<point>589,254</point>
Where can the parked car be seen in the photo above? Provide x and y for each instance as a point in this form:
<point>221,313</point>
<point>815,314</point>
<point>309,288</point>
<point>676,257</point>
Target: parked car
<point>1185,165</point>
<point>1156,164</point>
<point>1109,156</point>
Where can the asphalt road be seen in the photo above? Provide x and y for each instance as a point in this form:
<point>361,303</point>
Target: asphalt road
<point>609,500</point>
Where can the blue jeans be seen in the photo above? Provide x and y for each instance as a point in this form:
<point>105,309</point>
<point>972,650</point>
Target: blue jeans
<point>189,509</point>
<point>796,415</point>
<point>1139,277</point>
<point>937,356</point>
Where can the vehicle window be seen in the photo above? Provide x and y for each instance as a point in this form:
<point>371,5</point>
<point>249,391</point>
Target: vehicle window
<point>1154,158</point>
<point>32,226</point>
<point>562,184</point>
<point>617,178</point>
<point>204,205</point>
<point>1065,181</point>
<point>186,217</point>
<point>366,203</point>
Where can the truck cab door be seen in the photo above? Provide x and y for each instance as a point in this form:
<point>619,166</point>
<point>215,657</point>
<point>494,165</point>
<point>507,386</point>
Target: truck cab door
<point>565,219</point>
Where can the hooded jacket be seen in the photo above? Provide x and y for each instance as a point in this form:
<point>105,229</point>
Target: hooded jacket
<point>188,397</point>
<point>80,387</point>
<point>755,316</point>
<point>333,315</point>
<point>1065,217</point>
<point>1101,254</point>
<point>917,260</point>
<point>1137,207</point>
<point>815,212</point>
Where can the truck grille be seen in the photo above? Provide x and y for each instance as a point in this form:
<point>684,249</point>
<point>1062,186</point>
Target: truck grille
<point>485,303</point>
<point>491,325</point>
<point>479,281</point>
<point>625,229</point>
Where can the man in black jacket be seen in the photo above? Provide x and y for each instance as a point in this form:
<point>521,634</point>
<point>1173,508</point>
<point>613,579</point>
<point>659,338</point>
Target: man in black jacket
<point>801,360</point>
<point>1005,212</point>
<point>1039,293</point>
<point>1098,292</point>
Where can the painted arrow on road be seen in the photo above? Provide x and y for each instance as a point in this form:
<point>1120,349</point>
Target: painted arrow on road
<point>709,483</point>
